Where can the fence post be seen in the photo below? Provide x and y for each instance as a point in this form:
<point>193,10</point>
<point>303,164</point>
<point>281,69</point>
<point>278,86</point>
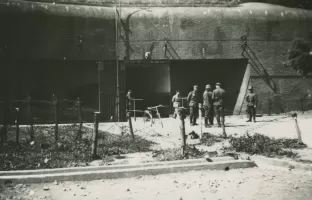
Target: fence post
<point>130,124</point>
<point>294,116</point>
<point>200,119</point>
<point>79,135</point>
<point>55,106</point>
<point>95,135</point>
<point>182,130</point>
<point>17,125</point>
<point>31,120</point>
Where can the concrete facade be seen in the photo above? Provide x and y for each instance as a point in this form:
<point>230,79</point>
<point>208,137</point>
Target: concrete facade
<point>51,31</point>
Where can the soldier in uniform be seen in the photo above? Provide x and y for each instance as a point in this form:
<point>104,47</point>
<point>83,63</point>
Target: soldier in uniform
<point>208,106</point>
<point>218,102</point>
<point>252,102</point>
<point>128,100</point>
<point>176,100</point>
<point>193,100</point>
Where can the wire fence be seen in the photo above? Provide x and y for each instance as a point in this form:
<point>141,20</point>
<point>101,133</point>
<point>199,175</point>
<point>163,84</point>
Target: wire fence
<point>43,111</point>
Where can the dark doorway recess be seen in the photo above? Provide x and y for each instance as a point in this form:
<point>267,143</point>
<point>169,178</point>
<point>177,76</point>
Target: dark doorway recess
<point>150,82</point>
<point>66,79</point>
<point>229,72</point>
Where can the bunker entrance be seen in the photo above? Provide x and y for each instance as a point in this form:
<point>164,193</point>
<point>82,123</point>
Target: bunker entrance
<point>229,72</point>
<point>150,82</point>
<point>157,83</point>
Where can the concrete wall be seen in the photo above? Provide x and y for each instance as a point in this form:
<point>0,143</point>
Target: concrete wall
<point>46,31</point>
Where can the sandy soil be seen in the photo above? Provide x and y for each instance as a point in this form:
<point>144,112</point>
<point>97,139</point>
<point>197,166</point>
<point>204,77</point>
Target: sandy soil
<point>244,184</point>
<point>278,126</point>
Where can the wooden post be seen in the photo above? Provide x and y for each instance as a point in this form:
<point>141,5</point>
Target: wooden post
<point>200,119</point>
<point>182,131</point>
<point>223,125</point>
<point>130,124</point>
<point>55,108</point>
<point>17,125</point>
<point>31,120</point>
<point>294,116</point>
<point>79,135</point>
<point>95,135</point>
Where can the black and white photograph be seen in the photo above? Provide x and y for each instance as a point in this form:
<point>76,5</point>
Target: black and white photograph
<point>156,99</point>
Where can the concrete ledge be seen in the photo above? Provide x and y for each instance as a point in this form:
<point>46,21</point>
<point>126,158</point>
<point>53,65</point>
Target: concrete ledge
<point>109,167</point>
<point>126,172</point>
<point>281,163</point>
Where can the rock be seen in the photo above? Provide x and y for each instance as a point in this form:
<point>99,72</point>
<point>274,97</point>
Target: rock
<point>55,183</point>
<point>46,160</point>
<point>18,186</point>
<point>128,190</point>
<point>45,188</point>
<point>296,187</point>
<point>74,194</point>
<point>31,192</point>
<point>83,188</point>
<point>226,168</point>
<point>65,190</point>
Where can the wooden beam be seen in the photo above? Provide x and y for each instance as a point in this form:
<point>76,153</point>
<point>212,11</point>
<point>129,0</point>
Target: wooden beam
<point>243,91</point>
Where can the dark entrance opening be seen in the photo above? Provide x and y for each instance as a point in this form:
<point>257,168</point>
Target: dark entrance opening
<point>229,72</point>
<point>150,82</point>
<point>66,79</point>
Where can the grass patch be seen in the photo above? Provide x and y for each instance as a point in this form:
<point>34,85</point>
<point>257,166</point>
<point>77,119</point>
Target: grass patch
<point>175,154</point>
<point>209,139</point>
<point>264,145</point>
<point>43,153</point>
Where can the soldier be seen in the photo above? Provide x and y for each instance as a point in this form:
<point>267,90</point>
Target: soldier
<point>208,106</point>
<point>176,100</point>
<point>128,100</point>
<point>218,102</point>
<point>193,100</point>
<point>252,102</point>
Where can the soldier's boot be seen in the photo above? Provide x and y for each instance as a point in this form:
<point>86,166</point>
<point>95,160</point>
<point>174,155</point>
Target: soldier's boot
<point>249,120</point>
<point>206,122</point>
<point>254,119</point>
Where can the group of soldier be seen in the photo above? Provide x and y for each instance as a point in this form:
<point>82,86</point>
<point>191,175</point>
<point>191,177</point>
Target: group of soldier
<point>212,104</point>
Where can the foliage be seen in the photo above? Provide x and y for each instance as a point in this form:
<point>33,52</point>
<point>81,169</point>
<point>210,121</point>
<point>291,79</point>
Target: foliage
<point>209,139</point>
<point>264,145</point>
<point>299,57</point>
<point>44,153</point>
<point>175,154</point>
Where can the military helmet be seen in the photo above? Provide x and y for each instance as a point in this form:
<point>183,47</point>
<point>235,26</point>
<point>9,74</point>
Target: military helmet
<point>250,88</point>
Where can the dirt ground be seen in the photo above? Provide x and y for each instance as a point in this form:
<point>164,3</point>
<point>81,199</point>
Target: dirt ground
<point>278,126</point>
<point>242,184</point>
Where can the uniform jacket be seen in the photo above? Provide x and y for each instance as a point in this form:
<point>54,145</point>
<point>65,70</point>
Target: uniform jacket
<point>218,97</point>
<point>128,99</point>
<point>251,99</point>
<point>207,98</point>
<point>193,99</point>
